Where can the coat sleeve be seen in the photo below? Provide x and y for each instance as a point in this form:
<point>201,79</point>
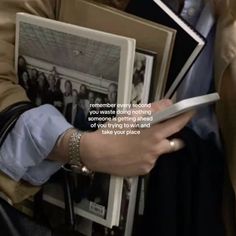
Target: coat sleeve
<point>226,113</point>
<point>10,91</point>
<point>225,75</point>
<point>232,7</point>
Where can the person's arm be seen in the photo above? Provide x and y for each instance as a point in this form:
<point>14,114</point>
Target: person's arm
<point>226,114</point>
<point>232,7</point>
<point>10,91</point>
<point>120,155</point>
<point>225,79</point>
<point>24,153</point>
<point>125,155</point>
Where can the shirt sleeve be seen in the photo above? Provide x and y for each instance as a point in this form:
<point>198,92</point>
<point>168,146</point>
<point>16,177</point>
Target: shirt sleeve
<point>24,152</point>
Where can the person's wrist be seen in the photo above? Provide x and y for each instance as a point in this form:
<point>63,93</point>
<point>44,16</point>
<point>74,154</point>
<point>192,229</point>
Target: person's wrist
<point>74,150</point>
<point>91,146</point>
<point>87,150</point>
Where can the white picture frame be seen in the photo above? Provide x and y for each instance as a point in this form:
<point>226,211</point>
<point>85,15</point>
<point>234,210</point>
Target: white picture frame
<point>35,41</point>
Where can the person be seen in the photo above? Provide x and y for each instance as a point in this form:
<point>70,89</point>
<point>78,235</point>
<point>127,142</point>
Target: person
<point>38,144</point>
<point>67,96</point>
<point>138,79</point>
<point>86,103</point>
<point>42,90</point>
<point>51,89</point>
<point>24,80</point>
<point>225,80</point>
<point>95,113</point>
<point>83,98</point>
<point>33,85</point>
<point>34,74</point>
<point>58,95</point>
<point>111,93</point>
<point>22,65</point>
<point>81,119</point>
<point>72,107</point>
<point>83,92</point>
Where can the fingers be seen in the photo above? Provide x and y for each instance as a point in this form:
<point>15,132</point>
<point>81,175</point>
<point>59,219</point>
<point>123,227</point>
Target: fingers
<point>148,109</point>
<point>176,144</point>
<point>172,126</point>
<point>151,108</point>
<point>169,146</point>
<point>160,105</point>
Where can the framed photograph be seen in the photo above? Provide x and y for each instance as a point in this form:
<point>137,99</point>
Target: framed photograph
<point>71,68</point>
<point>143,74</point>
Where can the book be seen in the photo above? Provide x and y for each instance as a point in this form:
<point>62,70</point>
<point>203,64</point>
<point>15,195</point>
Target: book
<point>185,105</point>
<point>149,35</point>
<point>65,65</point>
<point>144,62</point>
<point>142,77</point>
<point>188,42</point>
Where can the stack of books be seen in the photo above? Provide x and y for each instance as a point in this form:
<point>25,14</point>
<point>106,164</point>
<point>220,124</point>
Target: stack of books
<point>103,55</point>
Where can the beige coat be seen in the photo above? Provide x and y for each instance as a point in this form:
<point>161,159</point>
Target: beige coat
<point>225,71</point>
<point>225,75</point>
<point>10,92</point>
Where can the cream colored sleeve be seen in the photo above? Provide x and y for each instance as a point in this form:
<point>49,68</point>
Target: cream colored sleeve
<point>227,116</point>
<point>10,92</point>
<point>232,7</point>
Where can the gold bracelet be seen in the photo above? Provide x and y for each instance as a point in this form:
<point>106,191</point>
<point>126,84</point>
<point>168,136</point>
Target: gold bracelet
<point>75,162</point>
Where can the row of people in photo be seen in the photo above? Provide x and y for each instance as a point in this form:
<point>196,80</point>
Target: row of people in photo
<point>74,104</point>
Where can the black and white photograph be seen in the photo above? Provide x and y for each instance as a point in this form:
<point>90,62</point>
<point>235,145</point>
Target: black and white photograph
<point>142,79</point>
<point>142,76</point>
<point>72,71</point>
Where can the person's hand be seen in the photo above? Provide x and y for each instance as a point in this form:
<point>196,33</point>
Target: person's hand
<point>132,155</point>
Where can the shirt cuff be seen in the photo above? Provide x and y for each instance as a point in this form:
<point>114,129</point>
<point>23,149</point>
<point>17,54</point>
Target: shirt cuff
<point>30,142</point>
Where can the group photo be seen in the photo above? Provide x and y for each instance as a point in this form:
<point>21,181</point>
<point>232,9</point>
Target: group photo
<point>74,100</point>
<point>117,117</point>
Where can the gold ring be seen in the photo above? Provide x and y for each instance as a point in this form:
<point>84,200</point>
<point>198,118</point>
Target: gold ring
<point>172,145</point>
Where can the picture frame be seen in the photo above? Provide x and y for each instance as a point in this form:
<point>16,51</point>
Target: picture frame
<point>144,67</point>
<point>75,56</point>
